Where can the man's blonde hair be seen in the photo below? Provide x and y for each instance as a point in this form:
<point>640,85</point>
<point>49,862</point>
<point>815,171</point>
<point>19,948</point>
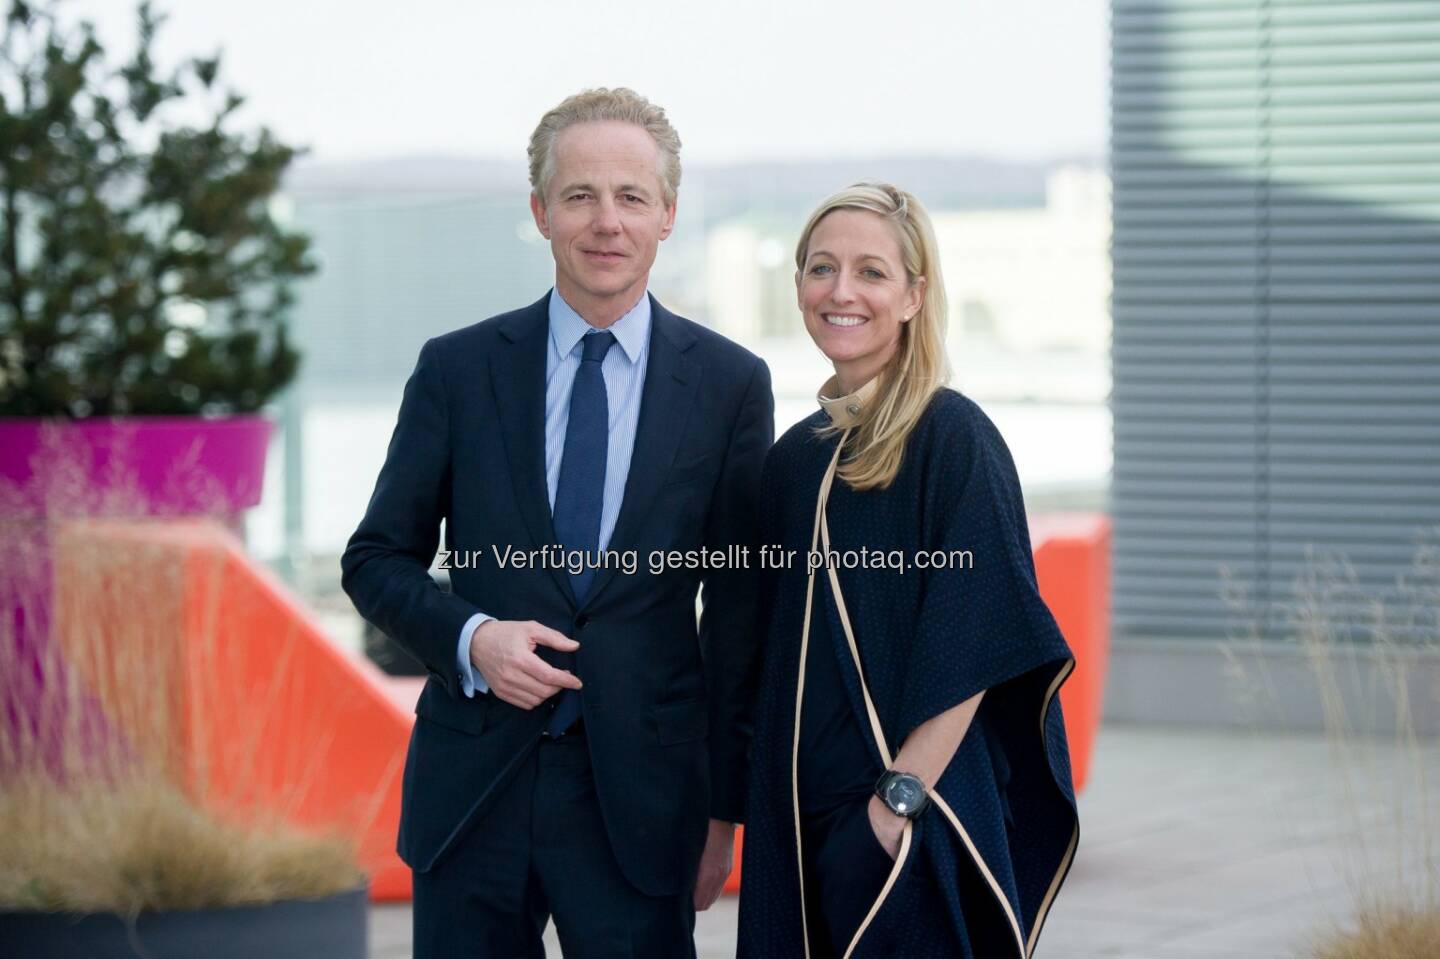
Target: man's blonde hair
<point>601,104</point>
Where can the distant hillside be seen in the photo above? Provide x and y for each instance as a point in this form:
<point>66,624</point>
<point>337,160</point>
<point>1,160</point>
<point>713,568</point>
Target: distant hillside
<point>721,191</point>
<point>420,175</point>
<point>955,182</point>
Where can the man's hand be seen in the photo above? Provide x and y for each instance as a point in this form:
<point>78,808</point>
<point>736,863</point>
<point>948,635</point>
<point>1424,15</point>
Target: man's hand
<point>887,826</point>
<point>504,652</point>
<point>715,864</point>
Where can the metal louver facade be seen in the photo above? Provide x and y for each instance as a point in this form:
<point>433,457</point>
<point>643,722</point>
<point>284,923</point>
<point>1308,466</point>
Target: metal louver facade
<point>1276,308</point>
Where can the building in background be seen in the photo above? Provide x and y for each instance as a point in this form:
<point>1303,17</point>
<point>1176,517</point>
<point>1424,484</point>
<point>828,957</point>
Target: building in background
<point>1276,173</point>
<point>1034,279</point>
<point>750,278</point>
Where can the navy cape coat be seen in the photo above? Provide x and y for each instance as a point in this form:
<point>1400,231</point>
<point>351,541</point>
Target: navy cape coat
<point>980,867</point>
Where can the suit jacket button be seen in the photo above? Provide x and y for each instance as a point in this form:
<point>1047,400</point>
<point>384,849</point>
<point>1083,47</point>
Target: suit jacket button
<point>582,621</point>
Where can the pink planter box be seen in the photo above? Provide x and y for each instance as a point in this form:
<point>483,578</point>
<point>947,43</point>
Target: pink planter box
<point>132,465</point>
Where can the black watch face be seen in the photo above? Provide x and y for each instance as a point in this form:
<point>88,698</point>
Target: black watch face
<point>904,794</point>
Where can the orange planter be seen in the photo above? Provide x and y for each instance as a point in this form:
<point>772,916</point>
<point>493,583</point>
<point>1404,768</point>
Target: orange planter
<point>1072,563</point>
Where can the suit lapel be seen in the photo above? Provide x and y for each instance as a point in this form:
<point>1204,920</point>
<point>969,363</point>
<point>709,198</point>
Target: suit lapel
<point>517,374</point>
<point>671,379</point>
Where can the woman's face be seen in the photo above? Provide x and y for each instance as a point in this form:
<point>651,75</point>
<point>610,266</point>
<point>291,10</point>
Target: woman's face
<point>854,293</point>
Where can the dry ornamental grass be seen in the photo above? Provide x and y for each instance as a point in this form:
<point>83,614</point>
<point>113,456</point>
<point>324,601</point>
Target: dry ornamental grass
<point>1395,933</point>
<point>1333,617</point>
<point>94,811</point>
<point>141,845</point>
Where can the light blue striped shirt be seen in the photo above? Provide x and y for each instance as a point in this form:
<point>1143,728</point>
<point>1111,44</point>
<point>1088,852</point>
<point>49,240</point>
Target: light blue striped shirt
<point>624,373</point>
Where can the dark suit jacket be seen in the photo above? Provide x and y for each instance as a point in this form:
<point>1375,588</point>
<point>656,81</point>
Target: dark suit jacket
<point>667,708</point>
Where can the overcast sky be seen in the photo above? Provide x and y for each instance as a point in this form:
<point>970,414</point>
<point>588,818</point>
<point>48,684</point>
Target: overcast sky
<point>1018,79</point>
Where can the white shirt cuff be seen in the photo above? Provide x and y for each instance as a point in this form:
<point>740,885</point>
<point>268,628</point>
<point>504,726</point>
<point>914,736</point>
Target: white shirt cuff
<point>470,678</point>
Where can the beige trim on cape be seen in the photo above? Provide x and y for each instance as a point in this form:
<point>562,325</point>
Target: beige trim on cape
<point>844,411</point>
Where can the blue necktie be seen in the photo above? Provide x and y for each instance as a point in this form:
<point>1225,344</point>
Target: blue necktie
<point>580,492</point>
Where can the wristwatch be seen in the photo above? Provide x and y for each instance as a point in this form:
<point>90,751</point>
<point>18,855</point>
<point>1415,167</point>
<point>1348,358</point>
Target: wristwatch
<point>902,793</point>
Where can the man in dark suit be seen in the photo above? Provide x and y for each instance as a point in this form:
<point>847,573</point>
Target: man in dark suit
<point>580,747</point>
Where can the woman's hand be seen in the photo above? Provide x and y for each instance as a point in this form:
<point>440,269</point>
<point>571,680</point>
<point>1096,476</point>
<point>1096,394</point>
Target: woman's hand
<point>887,826</point>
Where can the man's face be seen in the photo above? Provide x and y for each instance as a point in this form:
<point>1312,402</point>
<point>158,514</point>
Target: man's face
<point>604,213</point>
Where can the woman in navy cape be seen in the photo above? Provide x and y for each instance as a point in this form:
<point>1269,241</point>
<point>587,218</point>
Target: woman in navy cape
<point>910,791</point>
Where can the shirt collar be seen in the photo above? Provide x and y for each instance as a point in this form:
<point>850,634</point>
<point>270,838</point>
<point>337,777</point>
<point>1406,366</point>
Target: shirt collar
<point>845,410</point>
<point>567,327</point>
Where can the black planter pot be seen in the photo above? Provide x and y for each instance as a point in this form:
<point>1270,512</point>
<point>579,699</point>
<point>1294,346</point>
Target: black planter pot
<point>334,927</point>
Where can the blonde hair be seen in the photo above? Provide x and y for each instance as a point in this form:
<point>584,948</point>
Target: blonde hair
<point>601,104</point>
<point>919,366</point>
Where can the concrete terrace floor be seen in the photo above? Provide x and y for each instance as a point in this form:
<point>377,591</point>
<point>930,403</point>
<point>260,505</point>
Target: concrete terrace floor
<point>1203,844</point>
